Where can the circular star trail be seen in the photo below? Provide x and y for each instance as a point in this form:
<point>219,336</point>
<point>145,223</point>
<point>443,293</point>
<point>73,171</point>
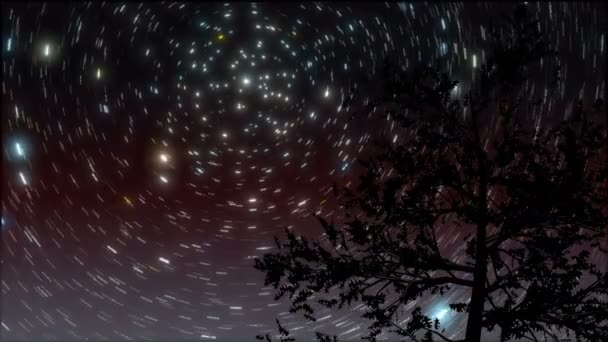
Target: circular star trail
<point>151,151</point>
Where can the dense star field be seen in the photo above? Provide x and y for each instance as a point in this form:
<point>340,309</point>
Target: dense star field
<point>151,151</point>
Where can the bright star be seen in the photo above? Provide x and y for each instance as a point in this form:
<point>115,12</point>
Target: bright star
<point>23,179</point>
<point>19,150</point>
<point>164,157</point>
<point>441,314</point>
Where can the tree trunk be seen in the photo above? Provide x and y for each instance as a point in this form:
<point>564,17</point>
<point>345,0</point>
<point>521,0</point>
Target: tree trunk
<point>478,293</point>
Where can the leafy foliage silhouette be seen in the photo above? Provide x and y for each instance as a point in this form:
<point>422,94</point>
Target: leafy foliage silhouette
<point>529,201</point>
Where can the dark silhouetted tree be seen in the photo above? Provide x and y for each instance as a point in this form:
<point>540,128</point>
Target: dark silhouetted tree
<point>528,200</point>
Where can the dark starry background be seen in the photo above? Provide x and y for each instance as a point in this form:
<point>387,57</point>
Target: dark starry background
<point>151,151</point>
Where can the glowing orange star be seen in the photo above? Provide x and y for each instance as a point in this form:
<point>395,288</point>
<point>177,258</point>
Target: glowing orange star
<point>128,201</point>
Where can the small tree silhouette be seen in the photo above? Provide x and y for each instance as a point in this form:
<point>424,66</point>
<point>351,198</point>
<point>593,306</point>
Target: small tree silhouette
<point>530,202</point>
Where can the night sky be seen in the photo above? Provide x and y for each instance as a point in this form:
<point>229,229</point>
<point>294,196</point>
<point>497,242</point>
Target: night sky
<point>151,151</point>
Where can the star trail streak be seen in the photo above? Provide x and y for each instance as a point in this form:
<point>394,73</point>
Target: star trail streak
<point>153,150</point>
